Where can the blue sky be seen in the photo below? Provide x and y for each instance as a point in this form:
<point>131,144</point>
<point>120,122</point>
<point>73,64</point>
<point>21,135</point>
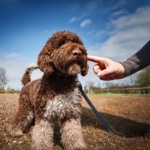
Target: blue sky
<point>109,28</point>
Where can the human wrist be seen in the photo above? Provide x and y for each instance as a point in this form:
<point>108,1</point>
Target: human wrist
<point>121,70</point>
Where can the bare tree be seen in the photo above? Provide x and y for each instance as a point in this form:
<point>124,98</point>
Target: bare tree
<point>90,84</point>
<point>109,84</point>
<point>3,77</point>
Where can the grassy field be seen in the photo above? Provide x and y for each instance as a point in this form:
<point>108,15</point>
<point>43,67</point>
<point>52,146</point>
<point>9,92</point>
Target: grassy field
<point>128,116</point>
<point>119,94</point>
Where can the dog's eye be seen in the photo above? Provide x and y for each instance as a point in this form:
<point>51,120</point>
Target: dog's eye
<point>61,43</point>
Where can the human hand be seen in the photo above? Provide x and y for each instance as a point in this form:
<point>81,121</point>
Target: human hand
<point>107,69</point>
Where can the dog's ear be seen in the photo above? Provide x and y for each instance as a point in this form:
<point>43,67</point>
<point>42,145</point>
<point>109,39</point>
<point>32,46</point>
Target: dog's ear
<point>85,71</point>
<point>44,60</point>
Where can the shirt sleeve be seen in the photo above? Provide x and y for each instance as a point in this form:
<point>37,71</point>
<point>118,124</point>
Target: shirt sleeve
<point>138,61</point>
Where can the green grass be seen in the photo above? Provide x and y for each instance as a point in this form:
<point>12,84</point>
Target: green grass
<point>120,94</point>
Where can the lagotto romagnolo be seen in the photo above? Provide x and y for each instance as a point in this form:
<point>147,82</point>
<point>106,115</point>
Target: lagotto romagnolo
<point>55,97</point>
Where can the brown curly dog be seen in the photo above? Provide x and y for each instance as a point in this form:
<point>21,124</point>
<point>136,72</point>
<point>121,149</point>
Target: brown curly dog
<point>55,97</point>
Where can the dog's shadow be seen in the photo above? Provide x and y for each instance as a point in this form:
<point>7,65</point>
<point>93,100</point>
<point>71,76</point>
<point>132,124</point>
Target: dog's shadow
<point>121,126</point>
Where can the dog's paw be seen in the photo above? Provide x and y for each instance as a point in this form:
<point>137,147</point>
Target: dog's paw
<point>15,132</point>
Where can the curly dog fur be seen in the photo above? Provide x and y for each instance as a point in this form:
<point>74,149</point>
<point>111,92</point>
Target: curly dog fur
<point>55,97</point>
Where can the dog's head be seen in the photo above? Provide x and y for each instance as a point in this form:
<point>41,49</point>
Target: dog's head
<point>63,53</point>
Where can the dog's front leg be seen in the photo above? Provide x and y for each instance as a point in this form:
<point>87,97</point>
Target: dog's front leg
<point>72,136</point>
<point>42,135</point>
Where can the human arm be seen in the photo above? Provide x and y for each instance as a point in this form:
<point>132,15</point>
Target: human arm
<point>108,69</point>
<point>138,61</point>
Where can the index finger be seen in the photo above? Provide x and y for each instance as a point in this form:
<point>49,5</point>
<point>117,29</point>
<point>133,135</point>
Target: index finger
<point>94,58</point>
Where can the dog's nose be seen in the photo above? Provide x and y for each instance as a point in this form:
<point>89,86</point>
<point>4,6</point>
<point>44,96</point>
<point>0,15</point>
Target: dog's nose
<point>76,53</point>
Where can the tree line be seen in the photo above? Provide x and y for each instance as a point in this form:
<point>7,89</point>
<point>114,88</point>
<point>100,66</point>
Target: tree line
<point>140,80</point>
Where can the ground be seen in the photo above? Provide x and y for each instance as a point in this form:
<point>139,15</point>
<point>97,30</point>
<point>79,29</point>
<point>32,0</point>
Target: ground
<point>129,118</point>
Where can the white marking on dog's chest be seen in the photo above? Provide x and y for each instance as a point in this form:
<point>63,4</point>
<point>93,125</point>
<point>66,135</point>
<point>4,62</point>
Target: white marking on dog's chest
<point>63,105</point>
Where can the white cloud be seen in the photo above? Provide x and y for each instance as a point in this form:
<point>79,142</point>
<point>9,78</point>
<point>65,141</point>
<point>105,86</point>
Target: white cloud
<point>99,33</point>
<point>120,12</point>
<point>85,23</point>
<point>73,19</point>
<point>15,66</point>
<point>119,3</point>
<point>92,5</point>
<point>139,18</point>
<point>128,34</point>
<point>12,55</point>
